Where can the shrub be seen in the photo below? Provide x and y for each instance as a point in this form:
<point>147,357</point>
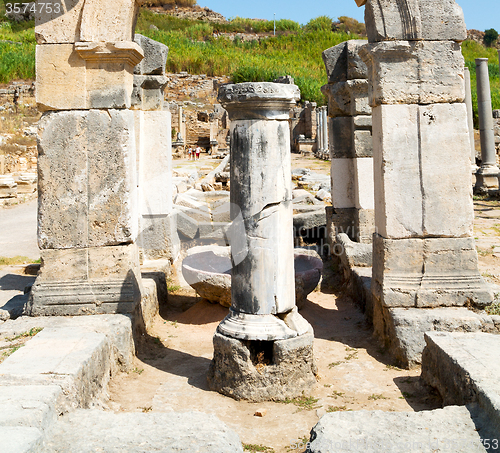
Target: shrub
<point>490,37</point>
<point>319,23</point>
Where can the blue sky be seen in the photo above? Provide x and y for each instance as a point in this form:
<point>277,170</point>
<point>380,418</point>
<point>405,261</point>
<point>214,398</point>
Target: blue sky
<point>479,14</point>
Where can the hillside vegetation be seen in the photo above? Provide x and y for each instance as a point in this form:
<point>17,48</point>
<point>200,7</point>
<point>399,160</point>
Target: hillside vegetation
<point>199,48</point>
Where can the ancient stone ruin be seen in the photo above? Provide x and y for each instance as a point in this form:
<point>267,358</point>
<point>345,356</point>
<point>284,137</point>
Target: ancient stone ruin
<point>397,132</point>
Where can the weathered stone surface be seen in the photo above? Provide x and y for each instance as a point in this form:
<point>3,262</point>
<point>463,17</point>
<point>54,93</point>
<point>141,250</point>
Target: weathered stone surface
<point>117,328</point>
<point>155,56</point>
<point>311,219</point>
<point>61,25</point>
<point>87,180</point>
<point>28,405</point>
<point>79,364</point>
<point>342,62</point>
<point>59,65</point>
<point>348,98</point>
<point>21,439</point>
<point>147,93</point>
<point>235,372</point>
<point>87,281</point>
<point>88,75</point>
<point>258,100</point>
<point>108,21</point>
<point>464,368</point>
<point>158,236</point>
<point>431,20</point>
<point>172,432</point>
<point>420,154</point>
<point>353,254</point>
<point>429,272</point>
<point>402,329</point>
<point>392,432</point>
<point>415,72</point>
<point>262,280</point>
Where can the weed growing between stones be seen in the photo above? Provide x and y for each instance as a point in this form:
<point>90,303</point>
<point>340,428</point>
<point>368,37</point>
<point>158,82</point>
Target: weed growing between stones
<point>331,365</point>
<point>307,403</point>
<point>253,448</point>
<point>337,409</point>
<point>8,350</point>
<point>493,309</point>
<point>6,261</point>
<point>374,397</point>
<point>353,353</point>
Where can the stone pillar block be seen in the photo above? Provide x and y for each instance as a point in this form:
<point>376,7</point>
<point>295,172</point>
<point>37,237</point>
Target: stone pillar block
<point>157,231</point>
<point>155,56</point>
<point>87,185</point>
<point>87,281</point>
<point>427,272</point>
<point>422,158</point>
<point>88,75</point>
<point>414,72</point>
<point>350,137</point>
<point>71,21</point>
<point>431,20</point>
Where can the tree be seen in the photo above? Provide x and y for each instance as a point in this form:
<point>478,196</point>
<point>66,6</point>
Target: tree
<point>490,37</point>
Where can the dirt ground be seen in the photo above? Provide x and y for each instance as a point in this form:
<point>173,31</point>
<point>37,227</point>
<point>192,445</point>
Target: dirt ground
<point>354,373</point>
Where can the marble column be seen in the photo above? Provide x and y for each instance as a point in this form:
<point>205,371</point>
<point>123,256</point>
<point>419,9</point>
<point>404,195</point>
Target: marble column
<point>487,175</point>
<point>325,129</point>
<point>470,121</point>
<point>263,318</point>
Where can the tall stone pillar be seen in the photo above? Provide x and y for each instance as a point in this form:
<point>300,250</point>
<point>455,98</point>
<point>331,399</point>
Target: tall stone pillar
<point>350,142</point>
<point>487,175</point>
<point>319,131</point>
<point>87,205</point>
<point>157,237</point>
<point>470,122</point>
<point>263,317</point>
<point>424,252</point>
<point>325,131</point>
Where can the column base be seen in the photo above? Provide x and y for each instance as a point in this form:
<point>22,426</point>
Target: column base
<point>487,179</point>
<point>244,326</point>
<point>428,272</point>
<point>262,370</point>
<point>87,281</point>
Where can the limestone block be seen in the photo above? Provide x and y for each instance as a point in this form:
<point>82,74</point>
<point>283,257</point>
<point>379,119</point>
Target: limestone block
<point>417,72</point>
<point>147,93</point>
<point>85,75</point>
<point>108,21</point>
<point>158,237</point>
<point>60,78</point>
<point>155,56</point>
<point>343,186</point>
<point>347,98</point>
<point>422,171</point>
<point>363,177</point>
<point>61,24</point>
<point>87,182</point>
<point>431,20</point>
<point>93,280</point>
<point>155,161</point>
<point>350,137</point>
<point>429,272</point>
<point>109,72</point>
<point>342,62</point>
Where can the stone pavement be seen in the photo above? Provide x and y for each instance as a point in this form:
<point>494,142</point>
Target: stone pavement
<point>18,231</point>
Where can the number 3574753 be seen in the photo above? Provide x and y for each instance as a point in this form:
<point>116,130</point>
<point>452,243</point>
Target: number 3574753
<point>40,7</point>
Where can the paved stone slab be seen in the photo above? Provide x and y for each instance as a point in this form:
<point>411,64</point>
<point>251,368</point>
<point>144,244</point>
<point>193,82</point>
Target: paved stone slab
<point>449,429</point>
<point>84,431</point>
<point>464,367</point>
<point>28,405</point>
<point>19,439</point>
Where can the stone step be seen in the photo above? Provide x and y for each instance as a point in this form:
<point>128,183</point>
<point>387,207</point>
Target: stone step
<point>66,365</point>
<point>450,429</point>
<point>464,367</point>
<point>95,430</point>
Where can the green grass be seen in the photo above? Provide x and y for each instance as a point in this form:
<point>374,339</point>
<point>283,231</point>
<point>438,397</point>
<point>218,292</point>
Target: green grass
<point>5,261</point>
<point>257,448</point>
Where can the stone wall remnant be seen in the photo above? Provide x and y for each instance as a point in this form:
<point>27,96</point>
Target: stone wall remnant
<point>351,149</point>
<point>263,320</point>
